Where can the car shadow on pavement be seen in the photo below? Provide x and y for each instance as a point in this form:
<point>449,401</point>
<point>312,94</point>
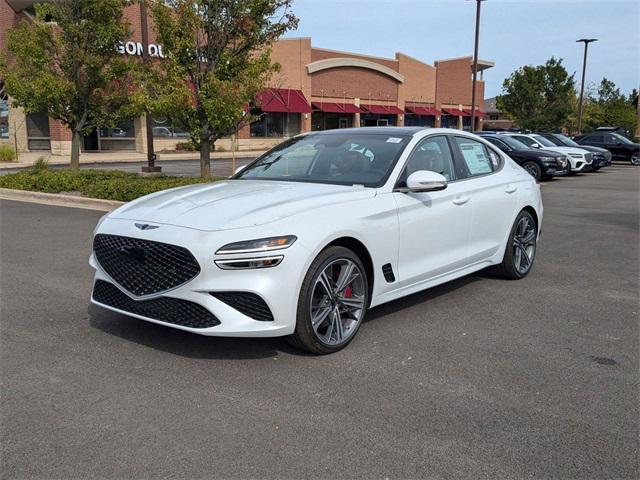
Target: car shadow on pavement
<point>186,344</point>
<point>424,296</point>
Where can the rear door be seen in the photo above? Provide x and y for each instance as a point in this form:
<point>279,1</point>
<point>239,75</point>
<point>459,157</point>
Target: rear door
<point>493,195</point>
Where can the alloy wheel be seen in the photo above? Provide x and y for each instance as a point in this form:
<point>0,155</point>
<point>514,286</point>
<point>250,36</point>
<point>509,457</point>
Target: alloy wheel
<point>524,245</point>
<point>533,170</point>
<point>635,159</point>
<point>338,302</point>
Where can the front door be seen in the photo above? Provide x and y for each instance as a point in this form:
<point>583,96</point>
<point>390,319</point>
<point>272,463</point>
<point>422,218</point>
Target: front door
<point>433,227</point>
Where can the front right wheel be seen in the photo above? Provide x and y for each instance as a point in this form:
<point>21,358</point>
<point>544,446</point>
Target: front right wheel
<point>332,303</point>
<point>521,248</point>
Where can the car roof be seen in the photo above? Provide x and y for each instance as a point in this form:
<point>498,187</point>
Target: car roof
<point>411,131</point>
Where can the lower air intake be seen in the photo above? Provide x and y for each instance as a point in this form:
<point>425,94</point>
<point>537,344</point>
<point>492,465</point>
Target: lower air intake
<point>250,304</point>
<point>164,309</point>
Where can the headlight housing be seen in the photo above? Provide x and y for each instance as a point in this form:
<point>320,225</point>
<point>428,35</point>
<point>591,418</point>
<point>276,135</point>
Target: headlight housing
<point>576,155</point>
<point>258,245</point>
<point>547,160</point>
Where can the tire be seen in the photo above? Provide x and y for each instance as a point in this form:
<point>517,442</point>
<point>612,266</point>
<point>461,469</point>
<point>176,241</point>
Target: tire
<point>634,159</point>
<point>569,170</point>
<point>533,169</point>
<point>520,243</point>
<point>325,298</point>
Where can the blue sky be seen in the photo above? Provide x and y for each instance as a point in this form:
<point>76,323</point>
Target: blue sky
<point>513,33</point>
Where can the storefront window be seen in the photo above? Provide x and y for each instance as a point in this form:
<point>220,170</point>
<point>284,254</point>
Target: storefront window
<point>38,136</point>
<point>163,128</point>
<point>448,121</point>
<point>331,121</point>
<point>119,137</point>
<point>276,124</point>
<point>4,113</point>
<point>376,120</point>
<point>419,120</point>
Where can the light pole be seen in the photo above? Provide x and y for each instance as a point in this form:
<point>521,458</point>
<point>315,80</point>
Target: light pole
<point>475,67</point>
<point>586,42</point>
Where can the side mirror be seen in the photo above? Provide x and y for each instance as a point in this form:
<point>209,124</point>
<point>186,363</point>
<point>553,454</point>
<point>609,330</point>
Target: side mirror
<point>618,143</point>
<point>424,181</point>
<point>535,145</point>
<point>239,169</point>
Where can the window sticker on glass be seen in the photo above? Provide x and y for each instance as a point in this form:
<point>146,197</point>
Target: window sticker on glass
<point>394,140</point>
<point>476,158</point>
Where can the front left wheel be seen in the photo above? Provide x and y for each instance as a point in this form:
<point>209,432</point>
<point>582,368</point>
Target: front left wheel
<point>521,248</point>
<point>332,303</point>
<point>635,159</point>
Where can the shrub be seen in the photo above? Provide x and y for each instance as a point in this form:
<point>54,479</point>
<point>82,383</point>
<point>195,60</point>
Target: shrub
<point>105,184</point>
<point>40,164</point>
<point>7,153</point>
<point>186,147</point>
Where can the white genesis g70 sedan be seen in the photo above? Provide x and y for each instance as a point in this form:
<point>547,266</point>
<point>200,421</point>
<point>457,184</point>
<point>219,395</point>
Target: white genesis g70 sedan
<point>310,235</point>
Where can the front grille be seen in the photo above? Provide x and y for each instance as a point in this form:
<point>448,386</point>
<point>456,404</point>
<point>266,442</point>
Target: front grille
<point>250,304</point>
<point>588,157</point>
<point>144,267</point>
<point>164,309</point>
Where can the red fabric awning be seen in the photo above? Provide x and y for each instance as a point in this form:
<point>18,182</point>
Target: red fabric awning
<point>283,100</point>
<point>328,107</point>
<point>351,108</point>
<point>455,112</point>
<point>332,107</point>
<point>479,113</point>
<point>428,111</point>
<point>383,109</point>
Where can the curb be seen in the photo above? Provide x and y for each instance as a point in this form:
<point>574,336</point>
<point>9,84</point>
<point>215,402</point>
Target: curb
<point>59,200</point>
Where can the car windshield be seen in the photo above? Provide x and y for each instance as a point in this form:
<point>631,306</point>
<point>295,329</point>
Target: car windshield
<point>336,158</point>
<point>513,143</point>
<point>566,141</point>
<point>540,139</point>
<point>622,138</point>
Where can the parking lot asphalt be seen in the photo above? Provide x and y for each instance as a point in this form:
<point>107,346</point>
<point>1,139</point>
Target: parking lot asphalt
<point>478,378</point>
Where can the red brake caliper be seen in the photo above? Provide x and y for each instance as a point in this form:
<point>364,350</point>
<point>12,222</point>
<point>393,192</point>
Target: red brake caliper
<point>347,292</point>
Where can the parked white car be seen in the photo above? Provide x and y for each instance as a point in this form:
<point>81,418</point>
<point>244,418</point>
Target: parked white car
<point>310,235</point>
<point>579,159</point>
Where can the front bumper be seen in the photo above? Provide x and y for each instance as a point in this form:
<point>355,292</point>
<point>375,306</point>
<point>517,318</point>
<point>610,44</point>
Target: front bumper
<point>277,286</point>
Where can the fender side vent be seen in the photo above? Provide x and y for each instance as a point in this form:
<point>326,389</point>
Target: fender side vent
<point>387,271</point>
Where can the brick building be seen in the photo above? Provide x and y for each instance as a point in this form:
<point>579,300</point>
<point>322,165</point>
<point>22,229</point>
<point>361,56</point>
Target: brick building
<point>316,89</point>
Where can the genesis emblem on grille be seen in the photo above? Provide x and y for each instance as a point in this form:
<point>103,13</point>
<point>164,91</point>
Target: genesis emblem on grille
<point>146,226</point>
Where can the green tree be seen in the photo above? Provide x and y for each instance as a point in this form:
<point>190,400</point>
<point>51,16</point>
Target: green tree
<point>610,107</point>
<point>218,58</point>
<point>66,63</point>
<point>540,97</point>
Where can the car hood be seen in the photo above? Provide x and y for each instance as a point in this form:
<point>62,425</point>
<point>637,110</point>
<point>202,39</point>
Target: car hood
<point>535,153</point>
<point>566,150</point>
<point>236,203</point>
<point>592,149</point>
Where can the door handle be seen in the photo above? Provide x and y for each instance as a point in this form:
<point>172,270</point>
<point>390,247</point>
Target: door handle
<point>460,200</point>
<point>510,188</point>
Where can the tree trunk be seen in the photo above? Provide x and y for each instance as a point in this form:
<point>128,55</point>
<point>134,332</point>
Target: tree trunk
<point>75,149</point>
<point>205,162</point>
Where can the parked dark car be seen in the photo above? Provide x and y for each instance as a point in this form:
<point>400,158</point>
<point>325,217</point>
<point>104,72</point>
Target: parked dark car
<point>620,147</point>
<point>601,156</point>
<point>541,164</point>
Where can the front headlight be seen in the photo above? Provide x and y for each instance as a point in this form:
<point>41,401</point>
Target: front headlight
<point>576,155</point>
<point>257,246</point>
<point>548,160</point>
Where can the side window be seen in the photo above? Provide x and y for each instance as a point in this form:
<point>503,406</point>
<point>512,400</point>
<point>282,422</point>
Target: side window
<point>477,157</point>
<point>433,154</point>
<point>498,143</point>
<point>609,140</point>
<point>529,142</point>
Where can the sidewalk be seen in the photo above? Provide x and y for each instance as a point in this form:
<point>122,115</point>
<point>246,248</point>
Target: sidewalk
<point>26,160</point>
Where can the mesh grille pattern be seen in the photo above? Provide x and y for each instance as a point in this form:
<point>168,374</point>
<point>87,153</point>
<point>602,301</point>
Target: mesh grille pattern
<point>248,303</point>
<point>144,267</point>
<point>165,309</point>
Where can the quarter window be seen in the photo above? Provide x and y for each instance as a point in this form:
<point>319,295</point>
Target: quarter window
<point>478,159</point>
<point>432,154</point>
